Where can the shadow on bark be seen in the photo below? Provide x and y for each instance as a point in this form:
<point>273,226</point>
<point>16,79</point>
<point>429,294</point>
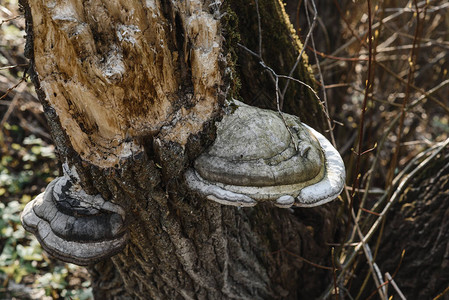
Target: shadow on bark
<point>419,225</point>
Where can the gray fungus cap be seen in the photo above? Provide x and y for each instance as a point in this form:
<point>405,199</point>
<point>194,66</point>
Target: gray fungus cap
<point>73,226</point>
<point>261,155</point>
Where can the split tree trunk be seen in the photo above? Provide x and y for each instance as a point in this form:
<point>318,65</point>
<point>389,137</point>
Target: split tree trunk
<point>131,90</point>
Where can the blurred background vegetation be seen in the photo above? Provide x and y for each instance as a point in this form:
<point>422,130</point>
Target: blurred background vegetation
<point>399,102</point>
<point>27,164</point>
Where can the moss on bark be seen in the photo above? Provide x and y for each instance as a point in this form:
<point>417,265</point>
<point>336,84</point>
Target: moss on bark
<point>280,49</point>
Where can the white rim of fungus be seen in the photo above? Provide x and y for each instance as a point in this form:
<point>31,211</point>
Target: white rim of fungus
<point>333,181</point>
<point>285,201</point>
<point>216,193</point>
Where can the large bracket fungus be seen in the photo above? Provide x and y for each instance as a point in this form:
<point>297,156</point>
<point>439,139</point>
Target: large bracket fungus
<point>74,226</point>
<point>262,155</point>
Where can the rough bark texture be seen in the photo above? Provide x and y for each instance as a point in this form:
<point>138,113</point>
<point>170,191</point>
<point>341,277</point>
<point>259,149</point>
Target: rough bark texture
<point>131,91</point>
<point>418,224</point>
<point>280,47</point>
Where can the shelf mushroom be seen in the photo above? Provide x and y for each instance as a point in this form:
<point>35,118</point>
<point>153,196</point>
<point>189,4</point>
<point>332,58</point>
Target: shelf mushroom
<point>262,155</point>
<point>73,226</point>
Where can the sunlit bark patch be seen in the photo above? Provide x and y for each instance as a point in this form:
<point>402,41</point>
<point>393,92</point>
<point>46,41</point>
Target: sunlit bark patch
<point>116,71</point>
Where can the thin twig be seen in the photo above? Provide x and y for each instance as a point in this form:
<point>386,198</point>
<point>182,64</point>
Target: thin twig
<point>440,295</point>
<point>375,272</point>
<point>427,94</point>
<point>342,15</point>
<point>399,190</point>
<point>259,27</point>
<point>303,259</point>
<point>301,82</point>
<point>375,26</point>
<point>395,286</point>
<point>275,77</point>
<point>413,57</point>
<point>403,181</point>
<point>411,10</point>
<point>13,104</point>
<point>13,67</point>
<point>9,20</point>
<point>356,182</point>
<point>338,58</point>
<point>390,279</point>
<point>12,88</point>
<point>323,103</point>
<point>334,271</point>
<point>382,141</point>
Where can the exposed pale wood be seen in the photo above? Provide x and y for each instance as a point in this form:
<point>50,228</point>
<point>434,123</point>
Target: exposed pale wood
<point>119,69</point>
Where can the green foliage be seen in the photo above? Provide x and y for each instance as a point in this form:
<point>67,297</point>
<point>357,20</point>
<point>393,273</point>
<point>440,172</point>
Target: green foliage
<point>16,260</point>
<point>22,256</point>
<point>27,164</point>
<point>56,281</point>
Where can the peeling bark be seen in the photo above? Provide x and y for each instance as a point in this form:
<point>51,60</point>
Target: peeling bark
<point>131,90</point>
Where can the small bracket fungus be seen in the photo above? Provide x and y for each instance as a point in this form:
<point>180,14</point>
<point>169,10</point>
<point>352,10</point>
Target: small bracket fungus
<point>259,155</point>
<point>73,226</point>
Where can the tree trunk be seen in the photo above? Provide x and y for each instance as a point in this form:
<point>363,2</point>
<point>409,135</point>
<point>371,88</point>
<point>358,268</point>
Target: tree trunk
<point>418,225</point>
<point>131,90</point>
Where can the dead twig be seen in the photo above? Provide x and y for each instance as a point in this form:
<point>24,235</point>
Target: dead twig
<point>14,101</point>
<point>9,20</point>
<point>403,180</point>
<point>303,259</point>
<point>395,286</point>
<point>413,57</point>
<point>13,67</point>
<point>304,46</point>
<point>334,271</point>
<point>440,295</point>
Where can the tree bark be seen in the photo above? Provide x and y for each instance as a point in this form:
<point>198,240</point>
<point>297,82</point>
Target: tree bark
<point>131,90</point>
<point>418,225</point>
